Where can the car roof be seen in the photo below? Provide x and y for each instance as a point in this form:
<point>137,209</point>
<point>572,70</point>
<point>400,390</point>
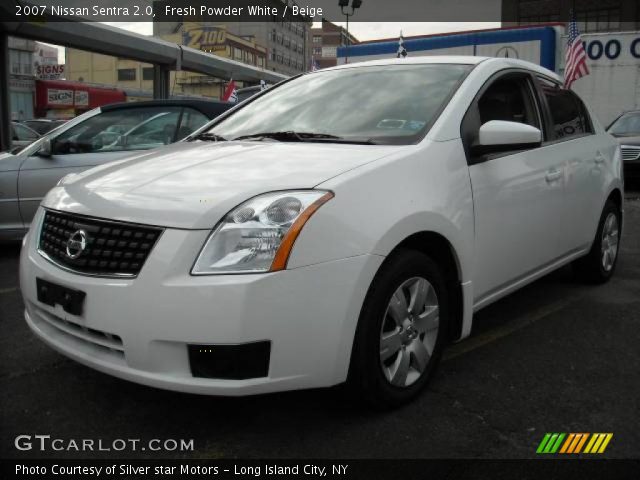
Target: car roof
<point>451,59</point>
<point>211,108</point>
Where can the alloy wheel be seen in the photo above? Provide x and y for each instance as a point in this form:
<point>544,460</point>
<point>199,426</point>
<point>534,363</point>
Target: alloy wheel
<point>409,332</point>
<point>610,240</point>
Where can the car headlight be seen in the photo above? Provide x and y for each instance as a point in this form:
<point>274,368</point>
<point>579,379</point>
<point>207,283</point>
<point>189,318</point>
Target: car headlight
<point>258,235</point>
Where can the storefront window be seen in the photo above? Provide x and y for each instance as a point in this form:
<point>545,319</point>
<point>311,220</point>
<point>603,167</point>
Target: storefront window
<point>126,74</point>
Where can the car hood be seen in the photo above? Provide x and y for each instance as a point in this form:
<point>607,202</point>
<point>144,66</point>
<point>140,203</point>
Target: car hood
<point>628,139</point>
<point>193,184</point>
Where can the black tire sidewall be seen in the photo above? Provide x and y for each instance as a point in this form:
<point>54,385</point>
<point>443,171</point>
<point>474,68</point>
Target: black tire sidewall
<point>366,371</point>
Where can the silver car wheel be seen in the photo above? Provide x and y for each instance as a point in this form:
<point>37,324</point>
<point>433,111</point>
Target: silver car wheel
<point>610,240</point>
<point>409,332</point>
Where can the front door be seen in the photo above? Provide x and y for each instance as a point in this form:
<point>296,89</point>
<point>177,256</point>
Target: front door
<point>518,195</point>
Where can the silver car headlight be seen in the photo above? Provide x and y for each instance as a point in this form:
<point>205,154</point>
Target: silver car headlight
<point>258,235</point>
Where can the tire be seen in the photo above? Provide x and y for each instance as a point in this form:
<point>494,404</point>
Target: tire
<point>600,263</point>
<point>376,375</point>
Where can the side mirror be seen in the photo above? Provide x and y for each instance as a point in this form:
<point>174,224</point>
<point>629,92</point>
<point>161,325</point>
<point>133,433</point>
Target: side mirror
<point>501,136</point>
<point>45,148</point>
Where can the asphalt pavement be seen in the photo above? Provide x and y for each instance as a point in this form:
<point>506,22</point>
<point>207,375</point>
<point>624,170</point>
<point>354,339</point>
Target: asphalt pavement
<point>557,356</point>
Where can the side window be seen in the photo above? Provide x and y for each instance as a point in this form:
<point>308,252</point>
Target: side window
<point>586,119</point>
<point>24,133</point>
<point>569,116</point>
<point>191,121</point>
<point>154,132</point>
<point>509,98</point>
<point>119,130</point>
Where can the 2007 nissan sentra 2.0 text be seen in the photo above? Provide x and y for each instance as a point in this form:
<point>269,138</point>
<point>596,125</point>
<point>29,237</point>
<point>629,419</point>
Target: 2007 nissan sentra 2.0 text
<point>342,226</point>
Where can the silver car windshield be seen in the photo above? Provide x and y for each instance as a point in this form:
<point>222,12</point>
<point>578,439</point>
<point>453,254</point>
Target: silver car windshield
<point>387,104</point>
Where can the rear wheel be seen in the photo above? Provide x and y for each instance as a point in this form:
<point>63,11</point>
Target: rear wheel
<point>401,330</point>
<point>598,266</point>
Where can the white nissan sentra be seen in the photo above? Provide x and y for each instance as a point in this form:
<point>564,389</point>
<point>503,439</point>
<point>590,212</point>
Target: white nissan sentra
<point>342,226</point>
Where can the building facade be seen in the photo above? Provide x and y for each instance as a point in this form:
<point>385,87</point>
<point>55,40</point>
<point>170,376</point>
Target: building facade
<point>136,78</point>
<point>44,54</point>
<point>325,41</point>
<point>591,15</point>
<point>26,57</point>
<point>287,41</point>
<point>21,77</point>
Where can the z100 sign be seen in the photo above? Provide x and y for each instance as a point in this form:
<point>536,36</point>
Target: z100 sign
<point>610,47</point>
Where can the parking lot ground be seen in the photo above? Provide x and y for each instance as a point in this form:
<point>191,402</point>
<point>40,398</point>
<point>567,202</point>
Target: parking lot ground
<point>557,356</point>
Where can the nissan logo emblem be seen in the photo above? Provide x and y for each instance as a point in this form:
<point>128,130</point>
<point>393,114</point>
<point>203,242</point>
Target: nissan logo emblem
<point>76,244</point>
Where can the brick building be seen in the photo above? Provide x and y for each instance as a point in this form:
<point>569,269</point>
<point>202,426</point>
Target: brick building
<point>325,41</point>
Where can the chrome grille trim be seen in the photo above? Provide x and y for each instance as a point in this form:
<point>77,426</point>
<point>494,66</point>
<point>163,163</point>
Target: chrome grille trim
<point>114,249</point>
<point>630,152</point>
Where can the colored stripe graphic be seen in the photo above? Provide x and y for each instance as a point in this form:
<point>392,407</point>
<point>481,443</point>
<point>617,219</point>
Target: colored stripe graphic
<point>598,442</point>
<point>572,443</point>
<point>576,442</point>
<point>550,443</point>
<point>543,443</point>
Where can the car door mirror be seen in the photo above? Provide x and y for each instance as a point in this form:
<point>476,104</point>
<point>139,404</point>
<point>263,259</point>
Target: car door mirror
<point>45,148</point>
<point>501,136</point>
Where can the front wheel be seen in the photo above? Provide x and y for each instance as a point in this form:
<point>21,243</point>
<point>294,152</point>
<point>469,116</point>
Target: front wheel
<point>598,266</point>
<point>401,330</point>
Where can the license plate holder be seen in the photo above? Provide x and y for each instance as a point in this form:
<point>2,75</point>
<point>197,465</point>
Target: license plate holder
<point>52,294</point>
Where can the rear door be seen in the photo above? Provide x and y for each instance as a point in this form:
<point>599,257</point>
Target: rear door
<point>100,139</point>
<point>518,195</point>
<point>573,138</point>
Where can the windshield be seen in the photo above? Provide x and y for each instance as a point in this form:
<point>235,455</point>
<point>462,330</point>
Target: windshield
<point>627,124</point>
<point>389,104</point>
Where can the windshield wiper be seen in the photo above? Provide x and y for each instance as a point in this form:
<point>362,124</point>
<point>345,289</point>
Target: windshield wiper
<point>291,136</point>
<point>209,137</point>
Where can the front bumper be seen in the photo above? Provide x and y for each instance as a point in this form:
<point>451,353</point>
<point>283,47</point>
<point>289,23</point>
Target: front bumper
<point>139,329</point>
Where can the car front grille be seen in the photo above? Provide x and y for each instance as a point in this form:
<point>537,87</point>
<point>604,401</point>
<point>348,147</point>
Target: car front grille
<point>630,152</point>
<point>98,247</point>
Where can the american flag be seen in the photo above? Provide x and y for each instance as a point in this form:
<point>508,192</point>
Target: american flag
<point>402,51</point>
<point>575,57</point>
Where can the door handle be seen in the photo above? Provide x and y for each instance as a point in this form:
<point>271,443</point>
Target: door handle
<point>600,159</point>
<point>553,175</point>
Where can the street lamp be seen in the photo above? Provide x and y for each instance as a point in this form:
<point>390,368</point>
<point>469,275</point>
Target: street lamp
<point>344,4</point>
